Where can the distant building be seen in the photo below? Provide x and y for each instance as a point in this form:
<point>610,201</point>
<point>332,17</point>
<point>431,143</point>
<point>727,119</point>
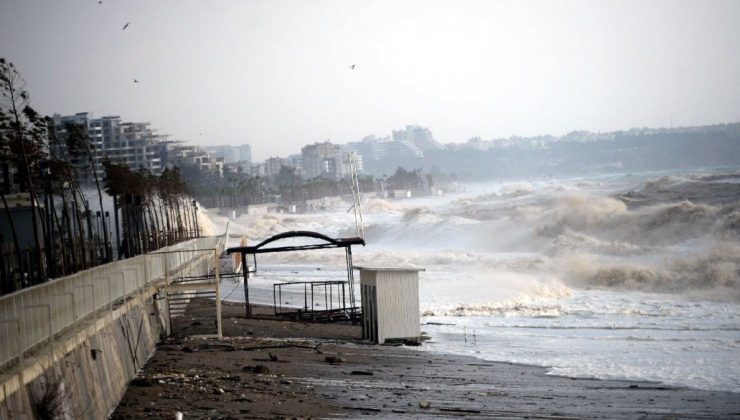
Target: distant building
<point>179,154</point>
<point>372,148</point>
<point>226,153</point>
<point>295,161</point>
<point>419,136</point>
<point>245,153</point>
<point>132,143</point>
<point>231,154</point>
<point>326,160</point>
<point>273,166</point>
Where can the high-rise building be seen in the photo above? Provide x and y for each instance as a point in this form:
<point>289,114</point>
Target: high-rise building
<point>179,154</point>
<point>273,166</point>
<point>132,143</point>
<point>326,160</point>
<point>245,153</point>
<point>232,154</point>
<point>420,137</point>
<point>319,159</point>
<point>372,148</point>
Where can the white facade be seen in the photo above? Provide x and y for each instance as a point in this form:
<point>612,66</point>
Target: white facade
<point>135,144</point>
<point>390,304</point>
<point>419,136</point>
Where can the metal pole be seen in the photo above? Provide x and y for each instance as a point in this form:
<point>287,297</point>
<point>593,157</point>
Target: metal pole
<point>350,278</point>
<point>246,286</point>
<point>218,292</point>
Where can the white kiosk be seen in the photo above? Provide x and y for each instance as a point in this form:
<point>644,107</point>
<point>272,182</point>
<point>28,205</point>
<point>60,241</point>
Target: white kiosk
<point>390,304</point>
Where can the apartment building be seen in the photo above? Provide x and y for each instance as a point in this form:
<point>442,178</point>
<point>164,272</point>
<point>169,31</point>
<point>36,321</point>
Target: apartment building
<point>133,143</point>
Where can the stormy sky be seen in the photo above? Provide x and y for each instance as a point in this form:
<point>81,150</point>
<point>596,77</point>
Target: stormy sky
<point>277,74</point>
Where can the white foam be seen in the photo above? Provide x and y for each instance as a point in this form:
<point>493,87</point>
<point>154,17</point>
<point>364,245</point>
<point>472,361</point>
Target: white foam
<point>566,274</point>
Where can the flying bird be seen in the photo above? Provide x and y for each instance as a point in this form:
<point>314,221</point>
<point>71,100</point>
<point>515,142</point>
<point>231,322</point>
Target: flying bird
<point>125,26</point>
<point>352,67</point>
<point>136,81</point>
<point>100,2</point>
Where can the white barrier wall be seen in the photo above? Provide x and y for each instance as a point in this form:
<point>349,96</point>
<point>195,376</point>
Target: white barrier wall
<point>34,316</point>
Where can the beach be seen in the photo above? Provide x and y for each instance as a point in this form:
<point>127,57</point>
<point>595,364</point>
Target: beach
<point>267,368</point>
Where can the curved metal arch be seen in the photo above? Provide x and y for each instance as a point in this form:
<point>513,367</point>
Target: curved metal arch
<point>328,243</point>
<point>345,243</point>
<point>297,234</point>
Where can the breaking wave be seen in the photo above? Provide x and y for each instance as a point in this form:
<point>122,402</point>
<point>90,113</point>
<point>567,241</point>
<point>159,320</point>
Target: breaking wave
<point>678,234</point>
<point>713,275</point>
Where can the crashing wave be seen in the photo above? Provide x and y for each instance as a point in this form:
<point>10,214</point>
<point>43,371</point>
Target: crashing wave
<point>714,275</point>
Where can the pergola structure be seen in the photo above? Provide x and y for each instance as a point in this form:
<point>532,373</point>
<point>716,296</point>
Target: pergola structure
<point>327,243</point>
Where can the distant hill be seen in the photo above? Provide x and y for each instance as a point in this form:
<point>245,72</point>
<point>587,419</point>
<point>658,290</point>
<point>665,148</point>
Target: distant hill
<point>584,153</point>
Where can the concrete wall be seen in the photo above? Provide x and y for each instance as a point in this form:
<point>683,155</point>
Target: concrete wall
<point>88,370</point>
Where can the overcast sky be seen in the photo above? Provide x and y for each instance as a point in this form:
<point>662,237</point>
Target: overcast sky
<point>276,74</point>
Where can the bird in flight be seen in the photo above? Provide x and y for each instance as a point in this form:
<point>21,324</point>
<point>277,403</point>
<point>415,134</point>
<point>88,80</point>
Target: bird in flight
<point>352,67</point>
<point>125,26</point>
<point>100,2</point>
<point>136,81</point>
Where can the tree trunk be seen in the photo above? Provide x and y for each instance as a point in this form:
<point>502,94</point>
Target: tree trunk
<point>107,256</point>
<point>15,236</point>
<point>31,189</point>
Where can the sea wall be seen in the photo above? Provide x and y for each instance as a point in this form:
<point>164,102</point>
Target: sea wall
<point>87,372</point>
<point>69,347</point>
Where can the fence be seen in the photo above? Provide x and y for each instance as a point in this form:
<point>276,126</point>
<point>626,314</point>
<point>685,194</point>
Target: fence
<point>33,316</point>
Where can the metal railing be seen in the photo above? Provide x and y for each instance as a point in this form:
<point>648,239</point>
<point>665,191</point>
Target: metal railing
<point>34,316</point>
<point>322,300</point>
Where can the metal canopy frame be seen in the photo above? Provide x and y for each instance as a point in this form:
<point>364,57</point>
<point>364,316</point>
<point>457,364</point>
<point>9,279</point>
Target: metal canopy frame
<point>262,248</point>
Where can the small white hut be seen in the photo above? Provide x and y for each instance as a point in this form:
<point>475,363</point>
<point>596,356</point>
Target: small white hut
<point>390,304</point>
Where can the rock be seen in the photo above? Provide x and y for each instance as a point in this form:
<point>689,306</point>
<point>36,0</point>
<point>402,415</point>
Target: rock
<point>261,369</point>
<point>141,382</point>
<point>362,372</point>
<point>334,359</point>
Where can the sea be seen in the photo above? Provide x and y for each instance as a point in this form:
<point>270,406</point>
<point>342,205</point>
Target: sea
<point>621,276</point>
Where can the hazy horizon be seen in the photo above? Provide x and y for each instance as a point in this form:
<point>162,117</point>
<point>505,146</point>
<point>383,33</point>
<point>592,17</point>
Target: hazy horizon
<point>278,75</point>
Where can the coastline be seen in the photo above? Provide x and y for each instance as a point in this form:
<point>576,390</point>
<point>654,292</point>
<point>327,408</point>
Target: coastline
<point>265,368</point>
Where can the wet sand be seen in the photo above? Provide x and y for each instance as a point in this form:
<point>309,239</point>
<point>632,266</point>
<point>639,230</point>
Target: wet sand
<point>266,368</point>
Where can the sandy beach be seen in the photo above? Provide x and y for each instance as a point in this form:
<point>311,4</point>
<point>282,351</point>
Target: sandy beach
<point>267,368</point>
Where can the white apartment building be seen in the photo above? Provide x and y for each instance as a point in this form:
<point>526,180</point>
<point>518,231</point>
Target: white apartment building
<point>418,136</point>
<point>136,144</point>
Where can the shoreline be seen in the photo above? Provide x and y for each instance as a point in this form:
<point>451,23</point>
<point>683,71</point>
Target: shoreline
<point>266,368</point>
